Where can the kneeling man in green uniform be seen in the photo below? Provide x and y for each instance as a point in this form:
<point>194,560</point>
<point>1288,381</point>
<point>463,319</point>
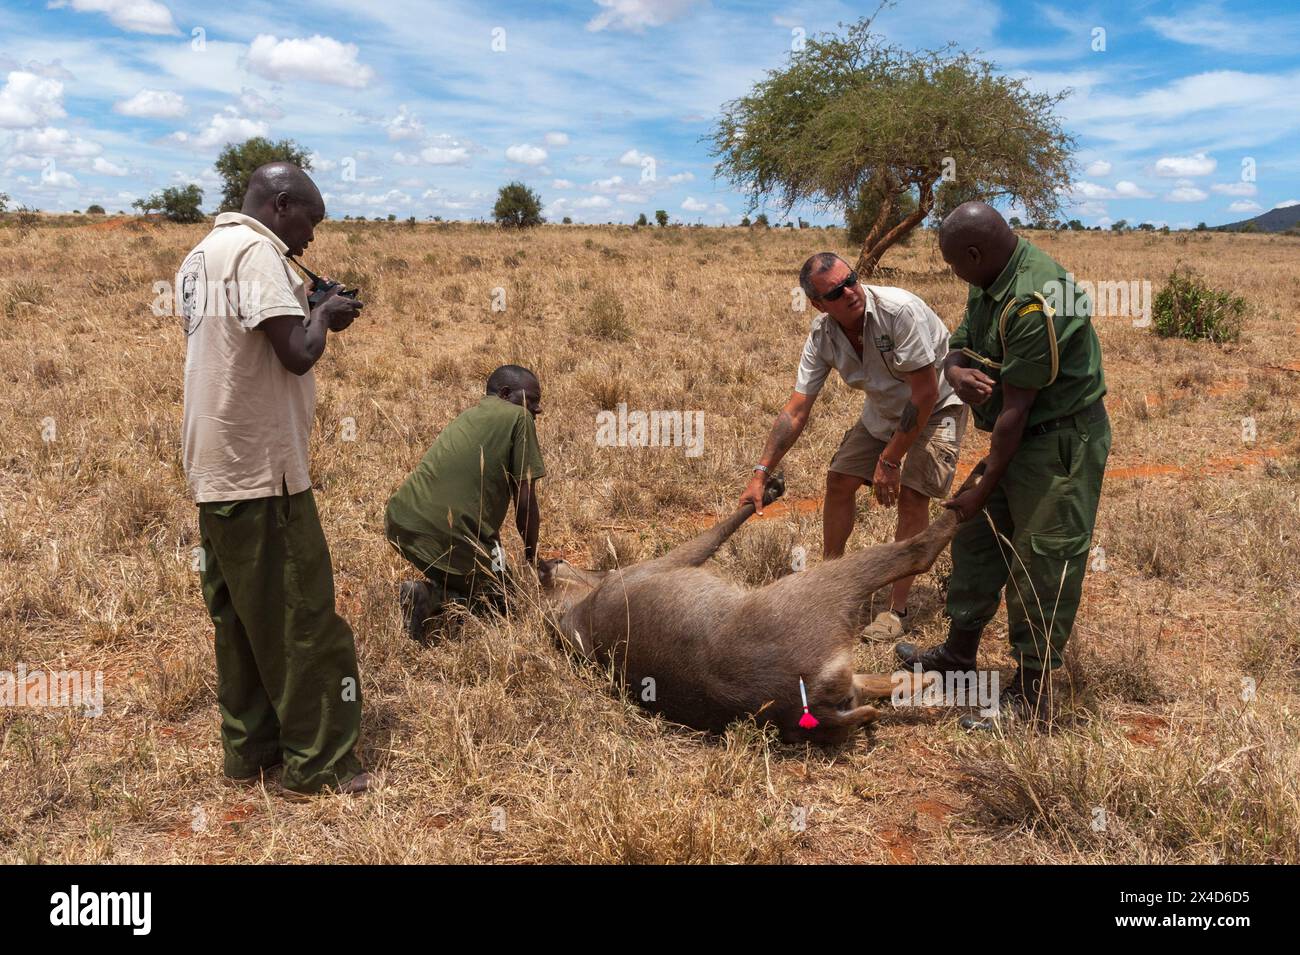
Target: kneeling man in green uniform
<point>1027,359</point>
<point>447,515</point>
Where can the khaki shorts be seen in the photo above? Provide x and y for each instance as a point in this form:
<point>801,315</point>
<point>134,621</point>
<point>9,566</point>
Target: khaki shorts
<point>931,462</point>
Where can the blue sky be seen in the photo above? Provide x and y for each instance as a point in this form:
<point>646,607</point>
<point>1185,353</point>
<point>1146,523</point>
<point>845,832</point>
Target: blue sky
<point>1183,112</point>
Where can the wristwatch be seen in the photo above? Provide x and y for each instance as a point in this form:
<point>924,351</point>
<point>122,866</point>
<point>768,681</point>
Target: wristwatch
<point>762,467</point>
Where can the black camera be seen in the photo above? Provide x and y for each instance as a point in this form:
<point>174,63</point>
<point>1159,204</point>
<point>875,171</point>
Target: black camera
<point>322,288</point>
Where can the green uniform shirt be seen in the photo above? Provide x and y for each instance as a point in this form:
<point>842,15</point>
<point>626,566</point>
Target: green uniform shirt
<point>1033,329</point>
<point>459,494</point>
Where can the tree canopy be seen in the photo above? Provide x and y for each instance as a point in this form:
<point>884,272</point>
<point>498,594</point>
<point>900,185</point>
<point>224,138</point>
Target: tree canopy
<point>517,206</point>
<point>237,161</point>
<point>852,118</point>
<point>176,203</point>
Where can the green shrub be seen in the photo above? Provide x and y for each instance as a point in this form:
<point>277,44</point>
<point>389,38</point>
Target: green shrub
<point>1188,307</point>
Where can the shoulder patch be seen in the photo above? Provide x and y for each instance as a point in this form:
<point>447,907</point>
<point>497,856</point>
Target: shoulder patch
<point>1029,309</point>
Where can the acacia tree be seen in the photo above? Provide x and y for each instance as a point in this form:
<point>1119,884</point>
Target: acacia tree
<point>176,203</point>
<point>517,207</point>
<point>852,121</point>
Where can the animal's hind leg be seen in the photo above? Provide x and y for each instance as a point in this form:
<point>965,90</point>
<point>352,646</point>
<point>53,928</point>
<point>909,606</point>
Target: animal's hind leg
<point>902,684</point>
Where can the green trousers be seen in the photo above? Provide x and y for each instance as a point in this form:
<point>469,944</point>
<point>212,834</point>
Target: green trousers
<point>480,588</point>
<point>287,680</point>
<point>1033,539</point>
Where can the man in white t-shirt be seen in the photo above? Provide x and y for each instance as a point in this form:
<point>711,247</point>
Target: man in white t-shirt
<point>890,344</point>
<point>287,681</point>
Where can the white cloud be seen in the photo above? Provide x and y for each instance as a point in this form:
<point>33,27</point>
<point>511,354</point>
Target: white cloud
<point>404,125</point>
<point>637,14</point>
<point>152,104</point>
<point>1185,191</point>
<point>320,59</point>
<point>57,179</point>
<point>526,154</point>
<point>1287,203</point>
<point>631,158</point>
<point>694,205</point>
<point>224,127</point>
<point>1124,189</point>
<point>444,155</point>
<point>561,184</point>
<point>29,100</point>
<point>1234,188</point>
<point>1209,26</point>
<point>681,177</point>
<point>444,152</point>
<point>1178,167</point>
<point>1098,168</point>
<point>54,142</point>
<point>607,185</point>
<point>1130,190</point>
<point>557,139</point>
<point>1245,205</point>
<point>134,16</point>
<point>106,168</point>
<point>593,202</point>
<point>253,103</point>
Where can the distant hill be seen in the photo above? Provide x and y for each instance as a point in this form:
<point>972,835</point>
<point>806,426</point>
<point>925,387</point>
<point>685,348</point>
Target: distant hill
<point>1275,220</point>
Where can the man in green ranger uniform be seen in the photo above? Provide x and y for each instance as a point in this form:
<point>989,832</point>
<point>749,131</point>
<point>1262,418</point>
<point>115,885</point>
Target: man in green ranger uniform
<point>1027,359</point>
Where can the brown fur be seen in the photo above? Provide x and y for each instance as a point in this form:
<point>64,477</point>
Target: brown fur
<point>717,651</point>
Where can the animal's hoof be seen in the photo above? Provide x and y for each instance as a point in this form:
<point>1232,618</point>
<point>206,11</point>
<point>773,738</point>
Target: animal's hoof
<point>774,488</point>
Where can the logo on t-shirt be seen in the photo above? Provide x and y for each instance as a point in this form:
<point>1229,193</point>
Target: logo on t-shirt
<point>884,343</point>
<point>193,292</point>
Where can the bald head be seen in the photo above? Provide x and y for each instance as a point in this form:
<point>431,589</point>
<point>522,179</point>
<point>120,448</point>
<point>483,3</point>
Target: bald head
<point>976,242</point>
<point>284,199</point>
<point>275,178</point>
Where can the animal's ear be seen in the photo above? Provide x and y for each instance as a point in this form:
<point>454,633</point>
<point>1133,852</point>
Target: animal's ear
<point>774,488</point>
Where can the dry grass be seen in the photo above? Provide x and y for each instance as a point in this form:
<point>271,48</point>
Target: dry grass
<point>495,747</point>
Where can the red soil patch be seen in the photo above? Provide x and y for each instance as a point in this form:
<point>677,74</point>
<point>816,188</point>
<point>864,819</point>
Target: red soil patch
<point>108,225</point>
<point>901,847</point>
<point>938,811</point>
<point>1143,728</point>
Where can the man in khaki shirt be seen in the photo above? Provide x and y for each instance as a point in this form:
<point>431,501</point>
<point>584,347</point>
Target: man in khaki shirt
<point>287,681</point>
<point>887,343</point>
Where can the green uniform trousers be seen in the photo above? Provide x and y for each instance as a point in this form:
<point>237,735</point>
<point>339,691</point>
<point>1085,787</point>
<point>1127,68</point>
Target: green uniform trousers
<point>481,588</point>
<point>1033,539</point>
<point>287,679</point>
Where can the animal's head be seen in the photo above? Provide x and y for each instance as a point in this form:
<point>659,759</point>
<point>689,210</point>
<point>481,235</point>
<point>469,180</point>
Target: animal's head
<point>564,585</point>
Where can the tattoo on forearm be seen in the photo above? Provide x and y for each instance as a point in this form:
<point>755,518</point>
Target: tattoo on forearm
<point>908,421</point>
<point>782,437</point>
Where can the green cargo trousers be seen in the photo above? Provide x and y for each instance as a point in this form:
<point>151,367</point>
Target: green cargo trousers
<point>480,588</point>
<point>287,679</point>
<point>1035,534</point>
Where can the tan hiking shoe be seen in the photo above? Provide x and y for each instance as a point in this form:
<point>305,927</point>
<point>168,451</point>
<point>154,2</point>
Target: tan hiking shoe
<point>887,627</point>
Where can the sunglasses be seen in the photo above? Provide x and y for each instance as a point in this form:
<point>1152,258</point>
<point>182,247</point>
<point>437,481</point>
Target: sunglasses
<point>835,293</point>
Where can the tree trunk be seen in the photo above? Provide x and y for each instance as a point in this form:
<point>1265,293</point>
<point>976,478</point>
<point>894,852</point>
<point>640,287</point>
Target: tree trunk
<point>874,248</point>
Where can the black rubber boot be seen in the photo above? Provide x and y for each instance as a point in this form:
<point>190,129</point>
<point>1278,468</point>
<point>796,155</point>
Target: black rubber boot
<point>956,654</point>
<point>416,601</point>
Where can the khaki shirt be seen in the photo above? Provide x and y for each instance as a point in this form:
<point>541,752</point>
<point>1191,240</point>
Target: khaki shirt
<point>459,494</point>
<point>247,420</point>
<point>901,334</point>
